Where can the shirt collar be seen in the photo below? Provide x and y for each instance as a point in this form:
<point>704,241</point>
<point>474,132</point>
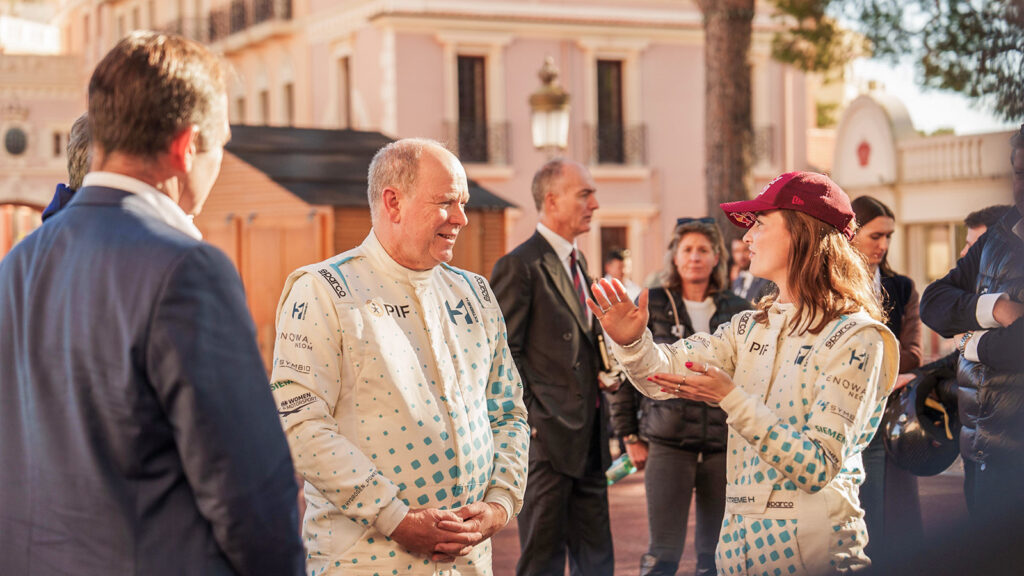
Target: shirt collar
<point>167,210</point>
<point>563,248</point>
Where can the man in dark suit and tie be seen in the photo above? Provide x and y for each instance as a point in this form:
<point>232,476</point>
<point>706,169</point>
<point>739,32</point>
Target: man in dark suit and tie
<point>541,287</point>
<point>138,435</point>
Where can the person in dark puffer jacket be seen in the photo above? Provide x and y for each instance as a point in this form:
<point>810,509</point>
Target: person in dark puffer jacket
<point>980,303</point>
<point>681,442</point>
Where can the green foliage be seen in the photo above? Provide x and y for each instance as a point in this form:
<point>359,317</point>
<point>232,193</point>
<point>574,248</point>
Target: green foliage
<point>975,47</point>
<point>826,112</point>
<point>814,41</point>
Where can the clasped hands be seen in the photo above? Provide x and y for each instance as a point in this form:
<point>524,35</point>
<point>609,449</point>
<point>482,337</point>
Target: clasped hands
<point>624,322</point>
<point>444,534</point>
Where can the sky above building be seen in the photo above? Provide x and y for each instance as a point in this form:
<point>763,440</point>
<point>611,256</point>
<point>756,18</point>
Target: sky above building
<point>930,110</point>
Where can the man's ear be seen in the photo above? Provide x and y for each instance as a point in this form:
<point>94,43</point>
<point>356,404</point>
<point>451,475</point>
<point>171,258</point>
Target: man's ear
<point>392,201</point>
<point>183,148</point>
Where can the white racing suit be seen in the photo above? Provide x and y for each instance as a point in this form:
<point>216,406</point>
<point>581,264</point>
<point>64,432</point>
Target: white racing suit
<point>804,408</point>
<point>396,389</point>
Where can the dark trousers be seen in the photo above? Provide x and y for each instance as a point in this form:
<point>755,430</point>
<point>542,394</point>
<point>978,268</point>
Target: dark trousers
<point>670,478</point>
<point>994,494</point>
<point>891,503</point>
<point>562,513</point>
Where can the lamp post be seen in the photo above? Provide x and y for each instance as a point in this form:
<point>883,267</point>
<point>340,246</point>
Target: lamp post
<point>549,107</point>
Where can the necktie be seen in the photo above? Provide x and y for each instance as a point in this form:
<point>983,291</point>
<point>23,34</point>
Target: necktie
<point>576,283</point>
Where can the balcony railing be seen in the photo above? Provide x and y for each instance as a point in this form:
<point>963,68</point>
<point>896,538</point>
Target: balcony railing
<point>479,143</point>
<point>241,15</point>
<point>616,144</point>
<point>197,29</point>
<point>965,157</point>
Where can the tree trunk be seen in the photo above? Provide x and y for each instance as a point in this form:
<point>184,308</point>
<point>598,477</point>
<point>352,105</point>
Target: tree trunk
<point>727,122</point>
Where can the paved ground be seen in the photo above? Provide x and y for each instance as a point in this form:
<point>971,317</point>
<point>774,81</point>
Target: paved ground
<point>942,502</point>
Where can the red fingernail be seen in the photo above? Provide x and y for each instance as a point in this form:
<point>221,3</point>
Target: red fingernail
<point>689,364</point>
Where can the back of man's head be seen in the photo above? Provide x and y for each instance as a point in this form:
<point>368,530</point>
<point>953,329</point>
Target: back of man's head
<point>987,216</point>
<point>149,88</point>
<point>79,152</point>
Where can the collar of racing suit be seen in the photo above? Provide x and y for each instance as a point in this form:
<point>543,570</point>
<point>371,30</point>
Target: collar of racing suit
<point>384,263</point>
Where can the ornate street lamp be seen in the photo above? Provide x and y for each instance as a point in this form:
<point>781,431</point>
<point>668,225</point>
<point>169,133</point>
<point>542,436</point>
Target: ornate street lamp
<point>549,107</point>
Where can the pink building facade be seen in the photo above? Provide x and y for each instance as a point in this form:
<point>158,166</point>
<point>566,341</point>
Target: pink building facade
<point>461,71</point>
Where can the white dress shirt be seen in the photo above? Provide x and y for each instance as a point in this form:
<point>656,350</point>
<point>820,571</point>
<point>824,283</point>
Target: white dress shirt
<point>167,210</point>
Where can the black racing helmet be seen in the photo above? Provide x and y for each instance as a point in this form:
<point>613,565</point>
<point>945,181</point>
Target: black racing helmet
<point>918,429</point>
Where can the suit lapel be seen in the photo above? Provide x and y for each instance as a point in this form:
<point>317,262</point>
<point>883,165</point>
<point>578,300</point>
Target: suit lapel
<point>563,285</point>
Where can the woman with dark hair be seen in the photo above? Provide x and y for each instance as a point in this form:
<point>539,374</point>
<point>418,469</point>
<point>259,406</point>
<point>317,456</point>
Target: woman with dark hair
<point>889,496</point>
<point>802,379</point>
<point>681,442</point>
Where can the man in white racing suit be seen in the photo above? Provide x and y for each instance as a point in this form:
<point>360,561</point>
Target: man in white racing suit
<point>399,397</point>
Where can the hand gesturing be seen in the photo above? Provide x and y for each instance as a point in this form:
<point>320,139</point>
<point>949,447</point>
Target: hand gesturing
<point>623,321</point>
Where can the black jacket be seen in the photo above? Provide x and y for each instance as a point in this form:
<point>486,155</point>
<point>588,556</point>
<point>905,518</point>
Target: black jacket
<point>991,391</point>
<point>680,423</point>
<point>554,345</point>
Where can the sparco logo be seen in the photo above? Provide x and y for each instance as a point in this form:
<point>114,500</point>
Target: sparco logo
<point>485,295</point>
<point>835,337</point>
<point>786,505</point>
<point>338,288</point>
<point>741,326</point>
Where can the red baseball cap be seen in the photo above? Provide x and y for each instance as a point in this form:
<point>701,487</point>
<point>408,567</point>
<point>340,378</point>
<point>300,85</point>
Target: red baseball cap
<point>808,192</point>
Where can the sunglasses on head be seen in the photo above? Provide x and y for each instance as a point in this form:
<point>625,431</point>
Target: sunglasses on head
<point>705,220</point>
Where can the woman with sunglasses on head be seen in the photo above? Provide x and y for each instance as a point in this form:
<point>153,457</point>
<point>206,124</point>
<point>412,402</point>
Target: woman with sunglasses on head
<point>889,495</point>
<point>680,442</point>
<point>803,381</point>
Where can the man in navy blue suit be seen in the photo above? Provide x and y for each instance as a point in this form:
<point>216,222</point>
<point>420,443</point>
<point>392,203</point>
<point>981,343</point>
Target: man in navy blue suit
<point>138,435</point>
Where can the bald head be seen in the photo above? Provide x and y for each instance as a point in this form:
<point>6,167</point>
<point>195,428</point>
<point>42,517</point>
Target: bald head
<point>397,166</point>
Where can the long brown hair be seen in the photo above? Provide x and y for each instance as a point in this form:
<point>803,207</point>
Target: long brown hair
<point>719,275</point>
<point>827,276</point>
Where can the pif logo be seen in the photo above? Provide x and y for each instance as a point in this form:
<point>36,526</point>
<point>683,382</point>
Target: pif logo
<point>760,349</point>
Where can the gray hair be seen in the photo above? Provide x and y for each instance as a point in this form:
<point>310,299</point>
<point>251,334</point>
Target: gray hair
<point>396,166</point>
<point>79,151</point>
<point>542,180</point>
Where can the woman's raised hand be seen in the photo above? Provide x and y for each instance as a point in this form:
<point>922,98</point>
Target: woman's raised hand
<point>623,321</point>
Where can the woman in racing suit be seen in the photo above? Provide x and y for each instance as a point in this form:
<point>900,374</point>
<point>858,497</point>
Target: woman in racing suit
<point>803,380</point>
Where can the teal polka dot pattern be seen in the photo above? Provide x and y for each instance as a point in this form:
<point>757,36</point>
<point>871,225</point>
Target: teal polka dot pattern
<point>805,407</point>
<point>404,394</point>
